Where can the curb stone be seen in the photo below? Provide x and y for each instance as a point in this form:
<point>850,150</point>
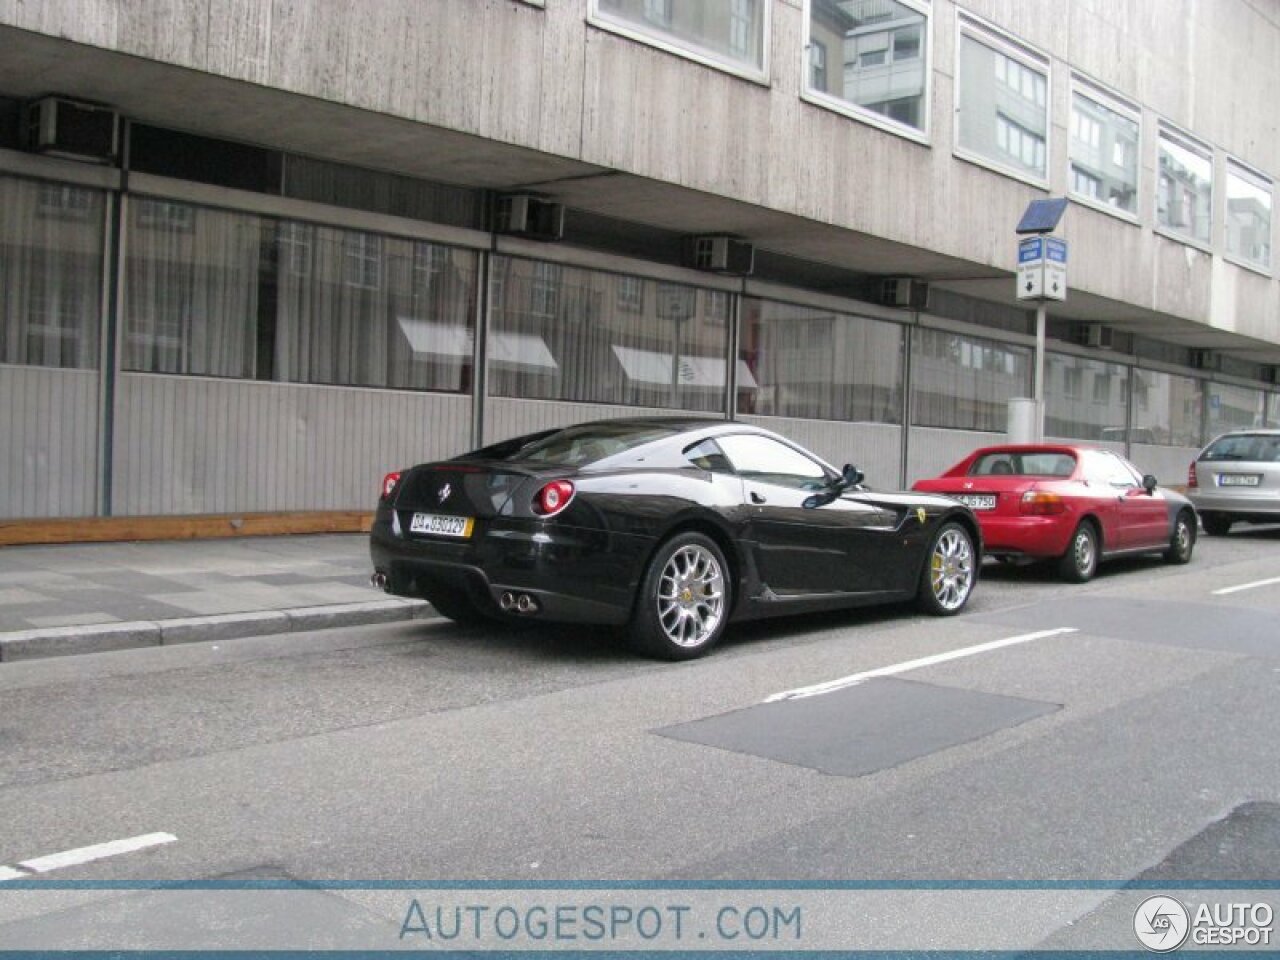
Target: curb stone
<point>103,637</point>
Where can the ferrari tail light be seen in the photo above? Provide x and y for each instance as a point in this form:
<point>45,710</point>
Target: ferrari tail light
<point>389,483</point>
<point>553,498</point>
<point>1191,475</point>
<point>1039,503</point>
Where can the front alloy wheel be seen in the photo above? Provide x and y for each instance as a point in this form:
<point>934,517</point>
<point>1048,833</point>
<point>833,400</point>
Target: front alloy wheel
<point>684,600</point>
<point>950,572</point>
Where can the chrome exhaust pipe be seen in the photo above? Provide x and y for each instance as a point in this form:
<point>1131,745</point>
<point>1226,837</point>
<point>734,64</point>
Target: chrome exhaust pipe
<point>525,604</point>
<point>379,580</point>
<point>507,601</point>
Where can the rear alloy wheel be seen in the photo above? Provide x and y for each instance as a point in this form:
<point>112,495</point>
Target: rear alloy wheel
<point>1215,524</point>
<point>949,572</point>
<point>1080,562</point>
<point>1183,540</point>
<point>683,605</point>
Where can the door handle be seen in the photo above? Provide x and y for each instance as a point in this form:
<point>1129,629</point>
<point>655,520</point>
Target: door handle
<point>756,498</point>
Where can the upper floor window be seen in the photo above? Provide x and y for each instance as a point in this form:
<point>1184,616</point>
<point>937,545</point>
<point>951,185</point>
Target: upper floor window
<point>1184,199</point>
<point>883,70</point>
<point>1103,152</point>
<point>723,33</point>
<point>1003,103</point>
<point>1248,216</point>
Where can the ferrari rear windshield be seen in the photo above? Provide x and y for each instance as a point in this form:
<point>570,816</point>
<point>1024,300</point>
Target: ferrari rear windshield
<point>1016,463</point>
<point>1258,447</point>
<point>589,442</point>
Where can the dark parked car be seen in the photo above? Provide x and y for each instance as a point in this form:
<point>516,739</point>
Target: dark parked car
<point>671,527</point>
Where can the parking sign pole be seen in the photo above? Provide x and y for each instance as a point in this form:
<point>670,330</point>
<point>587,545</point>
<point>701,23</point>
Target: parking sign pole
<point>1039,374</point>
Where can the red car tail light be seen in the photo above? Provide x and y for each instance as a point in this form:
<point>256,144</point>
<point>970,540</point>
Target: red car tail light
<point>553,498</point>
<point>1191,475</point>
<point>1038,503</point>
<point>389,483</point>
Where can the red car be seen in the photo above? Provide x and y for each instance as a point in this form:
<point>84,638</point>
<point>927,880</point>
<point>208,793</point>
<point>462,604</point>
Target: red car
<point>1076,504</point>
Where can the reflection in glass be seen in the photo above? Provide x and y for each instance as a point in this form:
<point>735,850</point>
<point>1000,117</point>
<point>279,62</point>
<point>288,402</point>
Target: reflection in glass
<point>1231,407</point>
<point>1104,154</point>
<point>1085,399</point>
<point>1184,201</point>
<point>966,383</point>
<point>1003,113</point>
<point>1166,409</point>
<point>883,57</point>
<point>728,30</point>
<point>805,362</point>
<point>1248,217</point>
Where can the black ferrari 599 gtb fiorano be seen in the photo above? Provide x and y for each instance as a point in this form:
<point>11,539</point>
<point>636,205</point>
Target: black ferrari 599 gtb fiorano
<point>672,527</point>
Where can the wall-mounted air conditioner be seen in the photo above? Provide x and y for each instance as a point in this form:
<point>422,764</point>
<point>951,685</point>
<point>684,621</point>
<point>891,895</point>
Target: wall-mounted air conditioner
<point>1094,335</point>
<point>904,292</point>
<point>71,128</point>
<point>524,215</point>
<point>720,254</point>
<point>1204,360</point>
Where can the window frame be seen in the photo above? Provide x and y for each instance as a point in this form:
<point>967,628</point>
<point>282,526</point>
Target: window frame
<point>708,58</point>
<point>1001,42</point>
<point>1166,130</point>
<point>1116,104</point>
<point>863,114</point>
<point>1251,175</point>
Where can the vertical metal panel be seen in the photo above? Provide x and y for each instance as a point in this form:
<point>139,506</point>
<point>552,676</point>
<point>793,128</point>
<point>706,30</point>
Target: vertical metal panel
<point>933,450</point>
<point>1168,464</point>
<point>188,445</point>
<point>872,447</point>
<point>48,442</point>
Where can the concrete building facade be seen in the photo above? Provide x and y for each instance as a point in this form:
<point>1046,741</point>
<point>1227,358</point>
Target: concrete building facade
<point>253,253</point>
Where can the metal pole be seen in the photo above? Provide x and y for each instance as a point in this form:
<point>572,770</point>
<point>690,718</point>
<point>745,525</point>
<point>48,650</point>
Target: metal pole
<point>1039,379</point>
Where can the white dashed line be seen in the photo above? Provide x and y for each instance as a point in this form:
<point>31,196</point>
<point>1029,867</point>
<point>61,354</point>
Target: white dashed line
<point>856,678</point>
<point>71,858</point>
<point>1245,586</point>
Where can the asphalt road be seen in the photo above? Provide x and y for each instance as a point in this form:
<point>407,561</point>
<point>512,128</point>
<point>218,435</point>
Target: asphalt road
<point>1128,726</point>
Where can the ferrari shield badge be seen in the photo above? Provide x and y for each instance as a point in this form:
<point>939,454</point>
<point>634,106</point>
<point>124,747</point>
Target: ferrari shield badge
<point>921,515</point>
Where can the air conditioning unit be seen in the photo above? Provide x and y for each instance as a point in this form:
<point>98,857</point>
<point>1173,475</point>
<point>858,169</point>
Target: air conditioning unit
<point>1204,360</point>
<point>524,215</point>
<point>904,292</point>
<point>720,254</point>
<point>71,128</point>
<point>1094,335</point>
<point>1271,374</point>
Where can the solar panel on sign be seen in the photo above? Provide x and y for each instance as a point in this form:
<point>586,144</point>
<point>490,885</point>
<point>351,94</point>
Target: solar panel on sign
<point>1042,216</point>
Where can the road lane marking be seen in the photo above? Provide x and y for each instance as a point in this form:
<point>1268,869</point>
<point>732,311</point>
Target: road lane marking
<point>1245,586</point>
<point>99,851</point>
<point>856,678</point>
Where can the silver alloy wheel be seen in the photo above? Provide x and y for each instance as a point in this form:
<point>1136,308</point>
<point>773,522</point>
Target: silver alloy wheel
<point>1182,538</point>
<point>1082,547</point>
<point>951,569</point>
<point>691,596</point>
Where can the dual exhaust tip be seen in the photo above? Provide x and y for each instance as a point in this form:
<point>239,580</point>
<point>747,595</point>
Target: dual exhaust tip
<point>518,603</point>
<point>379,580</point>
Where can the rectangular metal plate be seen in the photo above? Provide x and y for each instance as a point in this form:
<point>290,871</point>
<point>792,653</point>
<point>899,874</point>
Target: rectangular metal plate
<point>441,525</point>
<point>1238,479</point>
<point>977,501</point>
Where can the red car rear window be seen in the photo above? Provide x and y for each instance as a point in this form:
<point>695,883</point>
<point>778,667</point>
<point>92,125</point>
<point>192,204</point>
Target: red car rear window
<point>1018,463</point>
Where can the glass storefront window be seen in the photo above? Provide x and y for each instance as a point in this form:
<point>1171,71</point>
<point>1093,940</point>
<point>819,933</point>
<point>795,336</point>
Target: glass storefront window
<point>1085,399</point>
<point>966,383</point>
<point>729,33</point>
<point>574,334</point>
<point>872,59</point>
<point>1166,409</point>
<point>805,362</point>
<point>51,250</point>
<point>214,293</point>
<point>1234,408</point>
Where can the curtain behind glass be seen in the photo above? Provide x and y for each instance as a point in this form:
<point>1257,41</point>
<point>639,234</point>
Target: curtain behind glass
<point>804,362</point>
<point>51,247</point>
<point>191,290</point>
<point>1166,409</point>
<point>1085,399</point>
<point>567,333</point>
<point>966,383</point>
<point>362,309</point>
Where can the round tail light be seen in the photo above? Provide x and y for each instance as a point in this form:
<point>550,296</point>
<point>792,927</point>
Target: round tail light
<point>553,498</point>
<point>389,483</point>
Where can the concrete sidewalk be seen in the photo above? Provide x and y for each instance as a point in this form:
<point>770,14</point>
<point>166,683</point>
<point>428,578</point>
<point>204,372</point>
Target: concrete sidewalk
<point>89,597</point>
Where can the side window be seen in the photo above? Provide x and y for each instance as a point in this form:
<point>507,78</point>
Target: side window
<point>767,460</point>
<point>708,456</point>
<point>1106,468</point>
